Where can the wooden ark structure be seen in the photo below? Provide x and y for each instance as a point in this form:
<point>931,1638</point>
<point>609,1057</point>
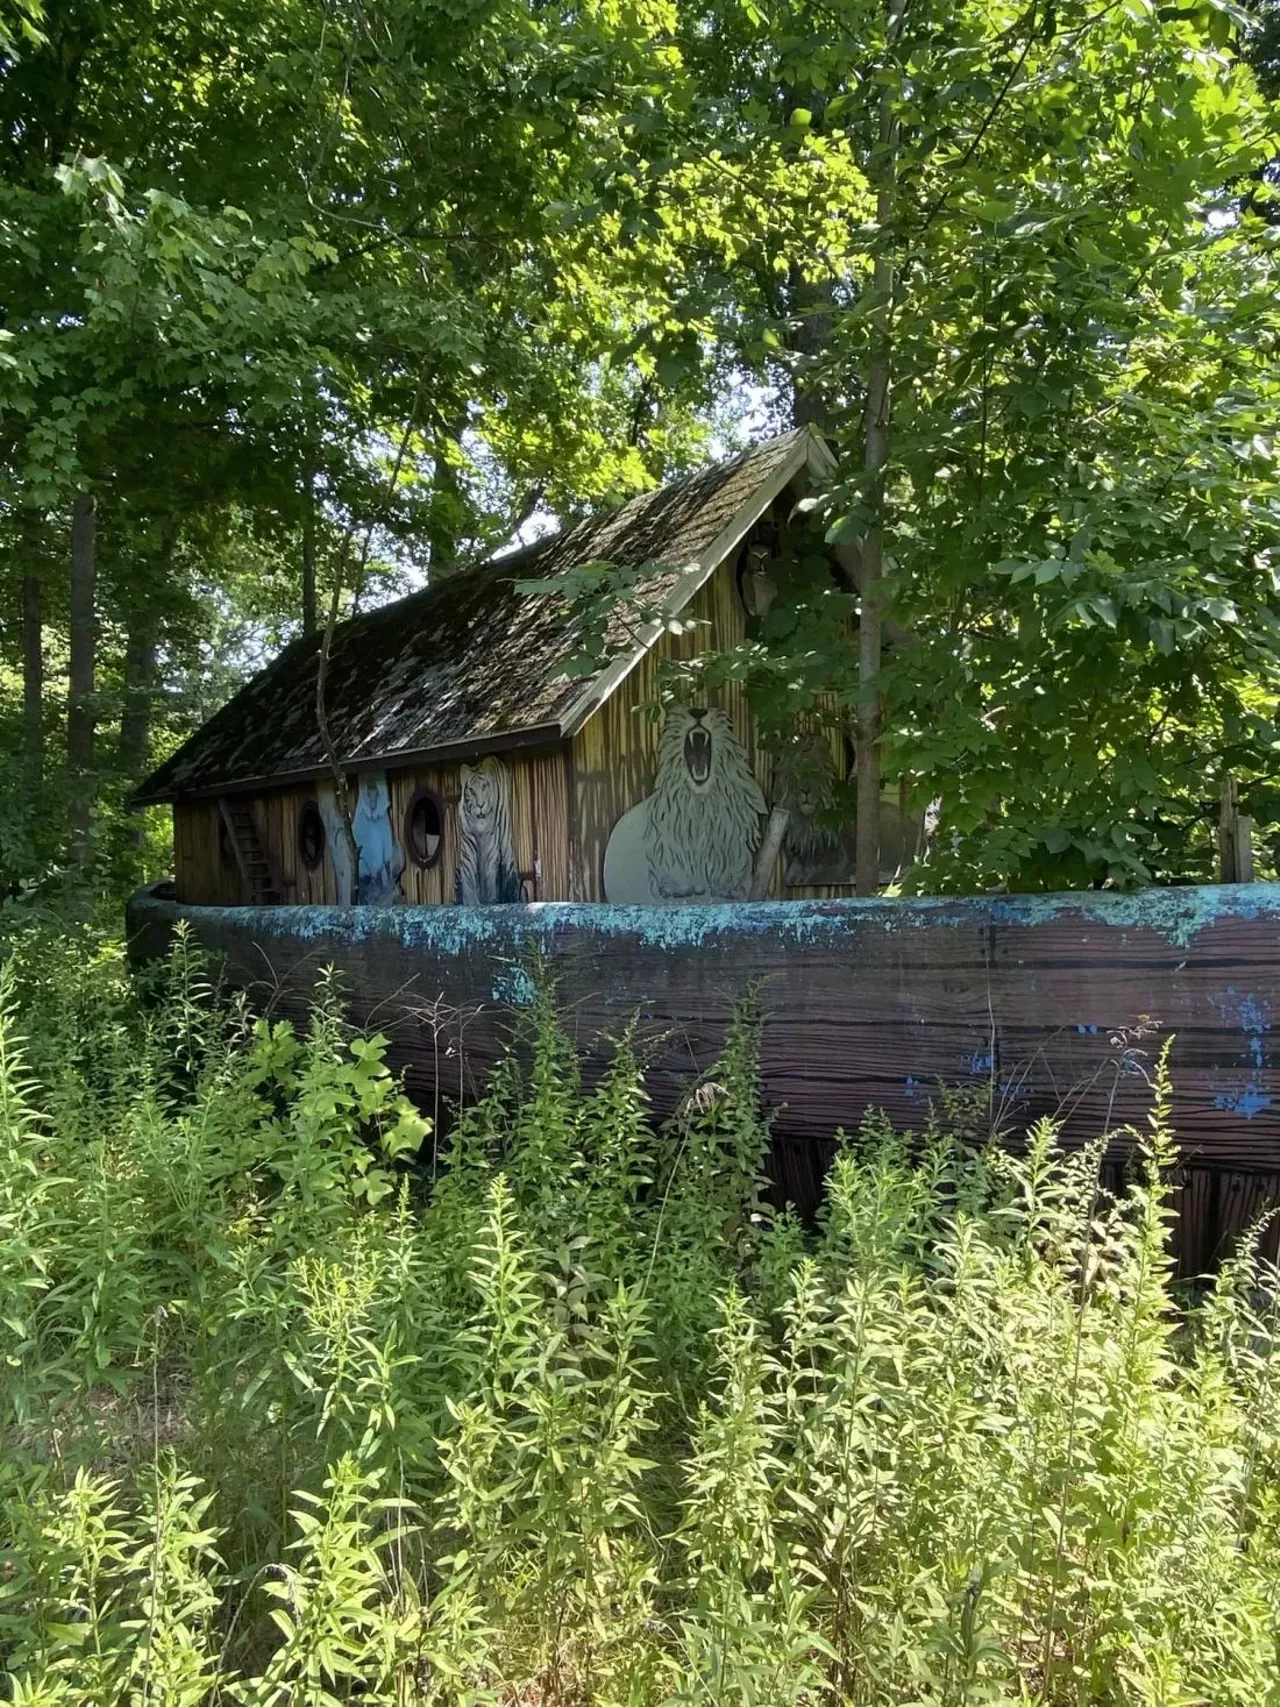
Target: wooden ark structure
<point>510,809</point>
<point>483,772</point>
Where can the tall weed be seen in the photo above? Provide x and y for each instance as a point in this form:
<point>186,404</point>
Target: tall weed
<point>583,1418</point>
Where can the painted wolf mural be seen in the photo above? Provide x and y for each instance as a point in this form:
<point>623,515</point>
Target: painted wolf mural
<point>381,862</point>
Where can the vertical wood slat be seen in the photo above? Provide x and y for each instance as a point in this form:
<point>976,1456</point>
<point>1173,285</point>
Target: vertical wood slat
<point>201,876</point>
<point>615,755</point>
<point>523,835</point>
<point>609,767</point>
<point>551,772</point>
<point>1235,837</point>
<point>540,830</point>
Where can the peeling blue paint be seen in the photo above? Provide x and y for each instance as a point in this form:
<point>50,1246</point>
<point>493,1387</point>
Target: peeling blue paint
<point>514,987</point>
<point>1178,915</point>
<point>491,949</point>
<point>1247,1099</point>
<point>1248,1014</point>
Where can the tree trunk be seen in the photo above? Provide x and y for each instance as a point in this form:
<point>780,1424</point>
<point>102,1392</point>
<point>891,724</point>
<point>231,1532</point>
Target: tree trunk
<point>812,303</point>
<point>309,556</point>
<point>139,688</point>
<point>874,457</point>
<point>774,835</point>
<point>33,680</point>
<point>83,647</point>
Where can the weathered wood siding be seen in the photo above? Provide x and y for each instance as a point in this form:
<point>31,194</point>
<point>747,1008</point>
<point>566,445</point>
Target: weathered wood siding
<point>540,832</point>
<point>565,802</point>
<point>615,756</point>
<point>201,874</point>
<point>1052,1005</point>
<point>276,816</point>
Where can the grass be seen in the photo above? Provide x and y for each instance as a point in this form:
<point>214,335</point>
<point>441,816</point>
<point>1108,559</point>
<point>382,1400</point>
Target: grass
<point>588,1422</point>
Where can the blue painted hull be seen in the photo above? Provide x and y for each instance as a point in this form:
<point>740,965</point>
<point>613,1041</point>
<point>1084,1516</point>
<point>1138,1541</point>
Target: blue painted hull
<point>1040,1004</point>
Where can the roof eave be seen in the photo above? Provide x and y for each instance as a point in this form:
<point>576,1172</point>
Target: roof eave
<point>547,734</point>
<point>808,453</point>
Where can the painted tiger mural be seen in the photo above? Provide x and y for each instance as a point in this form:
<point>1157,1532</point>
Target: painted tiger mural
<point>487,870</point>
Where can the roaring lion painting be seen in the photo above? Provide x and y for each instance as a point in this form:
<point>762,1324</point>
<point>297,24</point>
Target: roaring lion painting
<point>694,838</point>
<point>487,870</point>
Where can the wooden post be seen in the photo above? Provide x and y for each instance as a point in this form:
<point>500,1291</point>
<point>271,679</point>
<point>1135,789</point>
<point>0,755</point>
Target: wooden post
<point>1235,837</point>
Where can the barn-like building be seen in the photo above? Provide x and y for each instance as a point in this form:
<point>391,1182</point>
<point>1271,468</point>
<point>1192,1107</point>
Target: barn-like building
<point>483,770</point>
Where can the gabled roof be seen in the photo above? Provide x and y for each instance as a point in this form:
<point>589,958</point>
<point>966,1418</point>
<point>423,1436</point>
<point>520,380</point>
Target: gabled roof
<point>470,664</point>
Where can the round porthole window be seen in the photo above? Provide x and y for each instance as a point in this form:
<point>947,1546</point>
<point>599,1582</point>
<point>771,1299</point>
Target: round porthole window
<point>424,829</point>
<point>311,835</point>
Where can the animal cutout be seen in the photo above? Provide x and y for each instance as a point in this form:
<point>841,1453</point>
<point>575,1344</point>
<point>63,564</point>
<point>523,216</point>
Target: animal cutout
<point>381,862</point>
<point>335,840</point>
<point>817,853</point>
<point>487,870</point>
<point>804,782</point>
<point>694,838</point>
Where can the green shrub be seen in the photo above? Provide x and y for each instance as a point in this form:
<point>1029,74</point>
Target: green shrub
<point>583,1420</point>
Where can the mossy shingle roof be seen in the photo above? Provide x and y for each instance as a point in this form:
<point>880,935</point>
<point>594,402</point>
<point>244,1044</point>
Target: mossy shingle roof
<point>470,662</point>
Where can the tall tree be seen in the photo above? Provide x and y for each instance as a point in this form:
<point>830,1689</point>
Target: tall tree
<point>83,635</point>
<point>1075,512</point>
<point>309,229</point>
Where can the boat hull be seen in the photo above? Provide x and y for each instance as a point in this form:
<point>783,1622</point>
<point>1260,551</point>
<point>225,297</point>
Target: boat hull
<point>1041,1005</point>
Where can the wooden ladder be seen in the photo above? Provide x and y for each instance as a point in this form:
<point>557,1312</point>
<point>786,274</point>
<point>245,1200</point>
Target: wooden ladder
<point>255,872</point>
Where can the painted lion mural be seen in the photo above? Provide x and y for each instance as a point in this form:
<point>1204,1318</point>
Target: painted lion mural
<point>804,782</point>
<point>695,837</point>
<point>818,853</point>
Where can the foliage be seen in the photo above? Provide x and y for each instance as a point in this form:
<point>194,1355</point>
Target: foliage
<point>247,248</point>
<point>1081,504</point>
<point>586,1421</point>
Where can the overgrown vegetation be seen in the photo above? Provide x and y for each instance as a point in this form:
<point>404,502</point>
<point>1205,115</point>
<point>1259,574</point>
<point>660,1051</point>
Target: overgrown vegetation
<point>311,300</point>
<point>582,1420</point>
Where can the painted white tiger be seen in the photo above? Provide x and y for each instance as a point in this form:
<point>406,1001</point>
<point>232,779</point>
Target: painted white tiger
<point>487,869</point>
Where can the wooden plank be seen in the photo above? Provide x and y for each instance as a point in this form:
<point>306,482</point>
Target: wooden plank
<point>1235,837</point>
<point>1041,1014</point>
<point>552,822</point>
<point>1036,1003</point>
<point>201,876</point>
<point>523,837</point>
<point>615,755</point>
